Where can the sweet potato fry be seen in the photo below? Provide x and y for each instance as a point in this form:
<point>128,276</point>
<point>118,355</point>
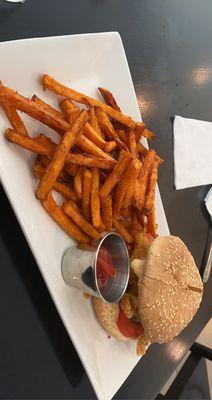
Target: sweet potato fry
<point>110,146</point>
<point>62,220</point>
<point>142,149</point>
<point>91,134</point>
<point>74,213</point>
<point>114,176</point>
<point>107,212</point>
<point>149,201</point>
<point>65,190</point>
<point>51,84</point>
<point>28,143</point>
<point>94,122</point>
<point>122,136</point>
<point>109,98</point>
<point>77,182</point>
<point>107,127</point>
<point>33,109</point>
<point>122,230</point>
<point>86,194</point>
<point>47,107</point>
<point>72,116</point>
<point>139,129</point>
<point>122,139</point>
<point>44,161</point>
<point>143,152</point>
<point>140,192</point>
<point>70,110</point>
<point>105,124</point>
<point>148,134</point>
<point>47,147</point>
<point>70,168</point>
<point>151,225</point>
<point>14,118</point>
<point>89,147</point>
<point>122,154</point>
<point>132,144</point>
<point>95,201</point>
<point>89,161</point>
<point>41,138</point>
<point>131,184</point>
<point>123,187</point>
<point>59,157</point>
<point>80,159</point>
<point>67,106</point>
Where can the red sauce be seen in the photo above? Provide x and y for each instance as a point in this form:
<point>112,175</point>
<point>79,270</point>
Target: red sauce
<point>105,267</point>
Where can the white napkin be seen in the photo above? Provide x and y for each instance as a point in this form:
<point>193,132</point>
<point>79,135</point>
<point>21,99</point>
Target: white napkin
<point>192,152</point>
<point>208,202</point>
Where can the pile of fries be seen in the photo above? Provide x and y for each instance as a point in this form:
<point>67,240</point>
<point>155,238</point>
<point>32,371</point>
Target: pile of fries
<point>105,175</point>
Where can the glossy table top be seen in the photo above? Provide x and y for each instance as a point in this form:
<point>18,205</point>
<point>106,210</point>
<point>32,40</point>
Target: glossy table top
<point>168,46</point>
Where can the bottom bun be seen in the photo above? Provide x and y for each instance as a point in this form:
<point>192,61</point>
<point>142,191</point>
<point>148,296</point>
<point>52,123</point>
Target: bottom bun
<point>107,315</point>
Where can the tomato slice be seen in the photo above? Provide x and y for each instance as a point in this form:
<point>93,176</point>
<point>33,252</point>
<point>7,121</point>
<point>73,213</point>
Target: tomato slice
<point>127,327</point>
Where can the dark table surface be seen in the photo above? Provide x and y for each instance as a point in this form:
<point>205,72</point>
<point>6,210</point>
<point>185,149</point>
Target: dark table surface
<point>168,45</point>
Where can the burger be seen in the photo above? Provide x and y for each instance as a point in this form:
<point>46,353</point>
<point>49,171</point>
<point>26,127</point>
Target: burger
<point>164,293</point>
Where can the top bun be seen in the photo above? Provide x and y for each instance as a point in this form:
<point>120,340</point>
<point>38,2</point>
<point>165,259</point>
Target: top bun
<point>170,289</point>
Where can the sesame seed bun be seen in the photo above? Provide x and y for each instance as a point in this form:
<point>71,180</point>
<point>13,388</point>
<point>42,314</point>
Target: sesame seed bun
<point>169,291</point>
<point>107,315</point>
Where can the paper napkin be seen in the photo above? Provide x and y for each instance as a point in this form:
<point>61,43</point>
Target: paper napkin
<point>192,152</point>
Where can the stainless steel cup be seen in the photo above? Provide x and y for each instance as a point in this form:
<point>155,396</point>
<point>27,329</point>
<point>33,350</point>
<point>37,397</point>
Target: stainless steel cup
<point>79,268</point>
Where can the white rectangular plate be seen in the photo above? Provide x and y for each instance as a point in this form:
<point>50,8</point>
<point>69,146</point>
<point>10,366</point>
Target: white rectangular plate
<point>83,62</point>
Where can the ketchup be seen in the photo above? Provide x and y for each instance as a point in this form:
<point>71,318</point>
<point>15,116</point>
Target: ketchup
<point>105,267</point>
